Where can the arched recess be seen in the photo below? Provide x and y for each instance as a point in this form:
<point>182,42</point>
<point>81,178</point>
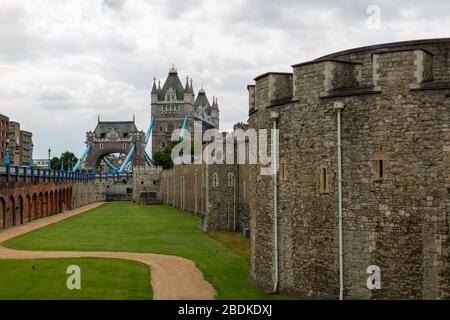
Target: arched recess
<point>11,213</point>
<point>51,210</point>
<point>41,206</point>
<point>2,212</point>
<point>19,211</point>
<point>71,198</point>
<point>28,207</point>
<point>61,200</point>
<point>55,200</point>
<point>66,198</point>
<point>46,202</point>
<point>35,207</point>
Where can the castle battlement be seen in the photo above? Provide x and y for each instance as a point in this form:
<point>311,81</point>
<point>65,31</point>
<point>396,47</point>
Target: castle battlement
<point>394,148</point>
<point>410,65</point>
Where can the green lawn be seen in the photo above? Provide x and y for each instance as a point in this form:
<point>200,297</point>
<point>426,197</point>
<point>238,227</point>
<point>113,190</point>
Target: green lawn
<point>101,279</point>
<point>124,226</point>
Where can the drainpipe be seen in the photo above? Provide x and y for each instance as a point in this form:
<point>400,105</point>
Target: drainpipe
<point>196,190</point>
<point>274,117</point>
<point>234,203</point>
<point>339,106</point>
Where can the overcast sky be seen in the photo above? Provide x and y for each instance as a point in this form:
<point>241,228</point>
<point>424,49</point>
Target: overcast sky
<point>63,62</point>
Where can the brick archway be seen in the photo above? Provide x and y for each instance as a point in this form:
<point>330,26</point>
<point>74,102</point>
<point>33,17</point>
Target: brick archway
<point>46,203</point>
<point>41,205</point>
<point>11,212</point>
<point>28,208</point>
<point>35,207</point>
<point>51,210</point>
<point>55,201</point>
<point>2,212</point>
<point>71,198</point>
<point>61,200</point>
<point>19,212</point>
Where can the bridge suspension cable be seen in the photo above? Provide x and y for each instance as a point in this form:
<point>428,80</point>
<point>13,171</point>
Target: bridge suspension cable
<point>126,163</point>
<point>83,156</point>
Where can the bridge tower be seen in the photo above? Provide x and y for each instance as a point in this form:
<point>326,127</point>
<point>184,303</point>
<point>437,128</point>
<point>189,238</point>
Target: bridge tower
<point>110,137</point>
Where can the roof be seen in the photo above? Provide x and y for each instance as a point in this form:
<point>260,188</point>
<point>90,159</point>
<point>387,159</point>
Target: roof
<point>389,45</point>
<point>202,100</point>
<point>154,90</point>
<point>121,127</point>
<point>275,73</point>
<point>172,81</point>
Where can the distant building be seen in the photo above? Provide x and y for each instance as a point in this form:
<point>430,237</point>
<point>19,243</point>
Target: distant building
<point>170,104</point>
<point>26,147</point>
<point>4,125</point>
<point>14,143</point>
<point>20,142</point>
<point>40,163</point>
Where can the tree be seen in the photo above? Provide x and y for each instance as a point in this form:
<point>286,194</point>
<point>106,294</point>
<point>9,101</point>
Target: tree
<point>163,158</point>
<point>69,159</point>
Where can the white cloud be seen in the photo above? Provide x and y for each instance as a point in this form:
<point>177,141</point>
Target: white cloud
<point>64,62</point>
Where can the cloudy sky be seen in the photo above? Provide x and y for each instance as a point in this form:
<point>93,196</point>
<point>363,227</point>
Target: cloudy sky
<point>63,62</point>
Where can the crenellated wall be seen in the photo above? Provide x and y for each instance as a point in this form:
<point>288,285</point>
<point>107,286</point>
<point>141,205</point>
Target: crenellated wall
<point>218,193</point>
<point>396,114</point>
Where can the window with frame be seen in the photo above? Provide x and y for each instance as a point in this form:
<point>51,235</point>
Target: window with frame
<point>230,179</point>
<point>324,180</point>
<point>215,180</point>
<point>283,170</point>
<point>380,169</point>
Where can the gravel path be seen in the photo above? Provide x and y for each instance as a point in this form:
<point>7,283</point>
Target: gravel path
<point>172,278</point>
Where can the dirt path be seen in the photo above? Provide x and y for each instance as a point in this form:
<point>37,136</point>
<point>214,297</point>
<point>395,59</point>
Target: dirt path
<point>172,278</point>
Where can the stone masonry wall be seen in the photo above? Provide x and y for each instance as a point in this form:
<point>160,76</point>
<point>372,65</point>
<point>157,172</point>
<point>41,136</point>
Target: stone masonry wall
<point>398,222</point>
<point>192,188</point>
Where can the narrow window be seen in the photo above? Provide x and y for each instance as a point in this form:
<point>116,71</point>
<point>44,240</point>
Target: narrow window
<point>380,172</point>
<point>230,179</point>
<point>283,170</point>
<point>215,180</point>
<point>324,183</point>
<point>381,169</point>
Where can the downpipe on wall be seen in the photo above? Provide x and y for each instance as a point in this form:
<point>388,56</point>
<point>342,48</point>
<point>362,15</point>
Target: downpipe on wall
<point>274,117</point>
<point>339,106</point>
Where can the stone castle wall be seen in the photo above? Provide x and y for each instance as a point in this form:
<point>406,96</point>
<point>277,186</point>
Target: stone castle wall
<point>146,180</point>
<point>397,111</point>
<point>220,205</point>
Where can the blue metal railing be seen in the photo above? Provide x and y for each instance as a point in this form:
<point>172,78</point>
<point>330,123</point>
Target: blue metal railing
<point>31,174</point>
